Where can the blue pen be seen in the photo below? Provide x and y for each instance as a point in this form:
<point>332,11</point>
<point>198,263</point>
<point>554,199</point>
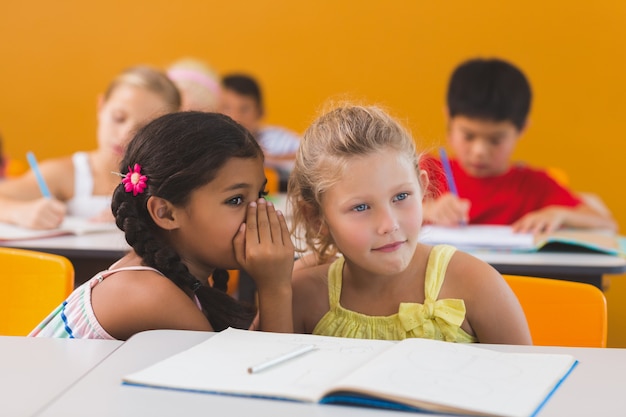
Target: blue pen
<point>35,167</point>
<point>448,170</point>
<point>449,177</point>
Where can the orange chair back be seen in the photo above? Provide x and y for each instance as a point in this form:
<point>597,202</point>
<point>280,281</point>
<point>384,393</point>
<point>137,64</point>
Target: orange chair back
<point>273,180</point>
<point>32,285</point>
<point>562,313</point>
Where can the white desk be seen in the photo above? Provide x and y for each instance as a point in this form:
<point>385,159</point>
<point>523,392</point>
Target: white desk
<point>595,387</point>
<point>33,371</point>
<point>94,252</point>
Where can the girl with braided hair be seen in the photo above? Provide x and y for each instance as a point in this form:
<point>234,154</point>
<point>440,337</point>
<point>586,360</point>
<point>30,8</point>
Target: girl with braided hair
<point>190,204</point>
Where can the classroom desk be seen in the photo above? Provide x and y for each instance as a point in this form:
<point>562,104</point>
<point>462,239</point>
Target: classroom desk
<point>91,253</point>
<point>595,387</point>
<point>34,371</point>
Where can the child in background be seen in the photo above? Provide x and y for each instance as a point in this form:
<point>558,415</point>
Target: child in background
<point>243,101</point>
<point>488,103</point>
<point>198,84</point>
<point>190,204</point>
<point>356,190</point>
<point>81,184</point>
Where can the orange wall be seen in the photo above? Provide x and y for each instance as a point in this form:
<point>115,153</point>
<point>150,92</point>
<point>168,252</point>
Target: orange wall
<point>58,56</point>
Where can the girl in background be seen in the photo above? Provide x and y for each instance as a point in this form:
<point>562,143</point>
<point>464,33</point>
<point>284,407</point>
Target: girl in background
<point>81,184</point>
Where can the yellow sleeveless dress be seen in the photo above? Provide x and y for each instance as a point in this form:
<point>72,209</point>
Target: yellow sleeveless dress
<point>435,319</point>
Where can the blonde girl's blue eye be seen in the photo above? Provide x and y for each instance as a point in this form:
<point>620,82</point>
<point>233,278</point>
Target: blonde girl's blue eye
<point>401,196</point>
<point>360,207</point>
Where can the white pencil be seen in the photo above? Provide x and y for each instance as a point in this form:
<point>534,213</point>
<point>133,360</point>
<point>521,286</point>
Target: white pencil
<point>280,359</point>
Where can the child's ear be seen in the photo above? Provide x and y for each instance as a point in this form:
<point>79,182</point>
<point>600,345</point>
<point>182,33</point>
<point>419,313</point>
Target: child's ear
<point>162,213</point>
<point>424,181</point>
<point>314,218</point>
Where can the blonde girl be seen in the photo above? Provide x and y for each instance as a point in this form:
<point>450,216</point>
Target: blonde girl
<point>356,192</point>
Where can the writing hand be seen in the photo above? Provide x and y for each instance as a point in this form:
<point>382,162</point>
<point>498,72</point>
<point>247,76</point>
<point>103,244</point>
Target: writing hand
<point>42,213</point>
<point>546,220</point>
<point>447,210</point>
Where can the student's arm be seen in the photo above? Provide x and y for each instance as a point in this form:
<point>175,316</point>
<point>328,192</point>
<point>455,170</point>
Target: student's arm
<point>551,218</point>
<point>563,208</point>
<point>22,203</point>
<point>264,250</point>
<point>494,314</point>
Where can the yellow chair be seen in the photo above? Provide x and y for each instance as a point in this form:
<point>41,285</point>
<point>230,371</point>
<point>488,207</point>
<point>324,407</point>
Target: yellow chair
<point>32,284</point>
<point>562,313</point>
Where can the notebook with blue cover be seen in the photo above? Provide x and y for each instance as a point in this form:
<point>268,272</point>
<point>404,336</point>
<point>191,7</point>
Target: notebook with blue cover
<point>413,374</point>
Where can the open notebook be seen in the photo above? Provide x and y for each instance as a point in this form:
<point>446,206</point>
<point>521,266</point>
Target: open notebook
<point>502,238</point>
<point>70,226</point>
<point>411,375</point>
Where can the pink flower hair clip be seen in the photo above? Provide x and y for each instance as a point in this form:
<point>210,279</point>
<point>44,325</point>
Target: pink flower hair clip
<point>133,180</point>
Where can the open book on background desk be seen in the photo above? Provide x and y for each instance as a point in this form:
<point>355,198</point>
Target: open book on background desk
<point>414,374</point>
<point>70,226</point>
<point>502,238</point>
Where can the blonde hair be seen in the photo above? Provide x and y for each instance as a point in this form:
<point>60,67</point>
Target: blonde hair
<point>198,84</point>
<point>328,144</point>
<point>150,79</point>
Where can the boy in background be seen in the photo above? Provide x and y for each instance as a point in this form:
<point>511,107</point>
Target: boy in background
<point>488,102</point>
<point>242,100</point>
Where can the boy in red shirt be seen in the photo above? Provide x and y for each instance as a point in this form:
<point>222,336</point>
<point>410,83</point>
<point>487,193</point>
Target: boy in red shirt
<point>487,104</point>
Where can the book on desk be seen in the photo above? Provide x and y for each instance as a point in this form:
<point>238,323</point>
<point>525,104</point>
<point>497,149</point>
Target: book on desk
<point>503,238</point>
<point>410,375</point>
<point>70,226</point>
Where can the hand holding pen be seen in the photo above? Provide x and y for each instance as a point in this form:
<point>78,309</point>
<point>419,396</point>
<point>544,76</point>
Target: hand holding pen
<point>450,209</point>
<point>42,213</point>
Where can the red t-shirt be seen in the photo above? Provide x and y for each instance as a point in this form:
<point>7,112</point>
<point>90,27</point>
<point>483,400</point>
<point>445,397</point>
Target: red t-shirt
<point>503,199</point>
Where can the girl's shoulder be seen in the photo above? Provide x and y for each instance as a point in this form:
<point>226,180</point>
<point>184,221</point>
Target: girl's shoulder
<point>129,301</point>
<point>138,285</point>
<point>59,174</point>
<point>467,276</point>
<point>58,164</point>
<point>311,276</point>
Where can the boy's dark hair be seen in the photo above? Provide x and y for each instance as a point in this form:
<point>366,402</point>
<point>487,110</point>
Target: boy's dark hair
<point>180,152</point>
<point>246,86</point>
<point>490,89</point>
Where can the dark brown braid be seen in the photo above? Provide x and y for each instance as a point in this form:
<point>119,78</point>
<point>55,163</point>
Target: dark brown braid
<point>178,153</point>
